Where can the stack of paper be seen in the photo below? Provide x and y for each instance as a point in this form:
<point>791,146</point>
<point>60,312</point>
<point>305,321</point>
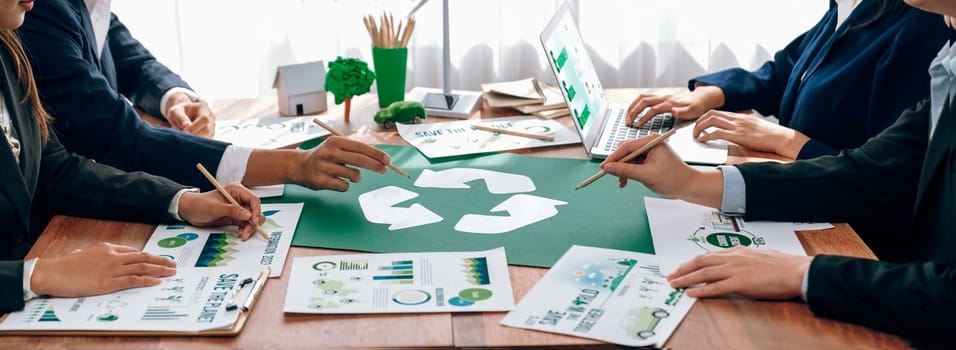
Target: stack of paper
<point>527,96</point>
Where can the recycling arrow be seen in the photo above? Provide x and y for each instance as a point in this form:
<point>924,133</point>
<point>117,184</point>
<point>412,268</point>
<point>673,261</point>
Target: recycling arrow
<point>523,210</point>
<point>497,182</point>
<point>379,207</point>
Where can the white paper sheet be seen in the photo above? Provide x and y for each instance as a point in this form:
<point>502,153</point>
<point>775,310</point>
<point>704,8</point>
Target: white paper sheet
<point>268,191</point>
<point>193,300</point>
<point>610,295</point>
<point>196,247</point>
<point>682,230</point>
<point>268,132</point>
<point>400,283</point>
<point>436,140</point>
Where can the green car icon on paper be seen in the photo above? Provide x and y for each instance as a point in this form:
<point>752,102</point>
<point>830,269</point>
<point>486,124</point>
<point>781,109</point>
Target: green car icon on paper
<point>641,323</point>
<point>405,112</point>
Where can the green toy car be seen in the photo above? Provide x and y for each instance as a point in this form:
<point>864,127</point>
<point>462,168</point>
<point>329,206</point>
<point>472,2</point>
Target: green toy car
<point>405,112</point>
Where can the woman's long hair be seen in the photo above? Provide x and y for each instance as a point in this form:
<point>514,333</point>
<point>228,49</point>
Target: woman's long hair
<point>890,9</point>
<point>30,95</point>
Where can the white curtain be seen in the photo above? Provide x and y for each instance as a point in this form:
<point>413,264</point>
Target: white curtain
<point>230,48</point>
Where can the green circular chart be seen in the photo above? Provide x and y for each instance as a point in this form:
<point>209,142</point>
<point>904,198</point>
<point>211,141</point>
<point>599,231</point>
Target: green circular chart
<point>171,242</point>
<point>474,294</point>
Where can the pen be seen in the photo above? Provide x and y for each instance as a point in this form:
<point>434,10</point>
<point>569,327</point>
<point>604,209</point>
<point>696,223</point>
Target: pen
<point>256,287</point>
<point>515,133</point>
<point>629,157</point>
<point>226,194</point>
<point>337,133</point>
<point>231,305</point>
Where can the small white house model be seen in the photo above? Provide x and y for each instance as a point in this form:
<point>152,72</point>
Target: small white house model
<point>301,88</point>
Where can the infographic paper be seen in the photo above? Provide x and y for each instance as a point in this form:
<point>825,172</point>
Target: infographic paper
<point>400,283</point>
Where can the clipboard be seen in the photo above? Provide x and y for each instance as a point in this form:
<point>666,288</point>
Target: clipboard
<point>237,326</point>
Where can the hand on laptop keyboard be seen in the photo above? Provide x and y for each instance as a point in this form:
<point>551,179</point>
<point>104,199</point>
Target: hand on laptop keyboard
<point>687,105</point>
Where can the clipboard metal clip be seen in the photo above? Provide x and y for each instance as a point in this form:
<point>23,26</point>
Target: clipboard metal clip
<point>257,284</point>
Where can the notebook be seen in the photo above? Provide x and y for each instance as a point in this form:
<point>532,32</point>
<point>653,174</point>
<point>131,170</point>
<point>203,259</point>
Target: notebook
<point>601,124</point>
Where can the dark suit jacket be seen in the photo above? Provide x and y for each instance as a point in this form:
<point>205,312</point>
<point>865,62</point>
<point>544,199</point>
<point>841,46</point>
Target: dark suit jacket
<point>74,185</point>
<point>86,95</point>
<point>841,87</point>
<point>901,188</point>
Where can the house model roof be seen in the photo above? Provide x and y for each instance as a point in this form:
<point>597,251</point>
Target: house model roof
<point>301,78</point>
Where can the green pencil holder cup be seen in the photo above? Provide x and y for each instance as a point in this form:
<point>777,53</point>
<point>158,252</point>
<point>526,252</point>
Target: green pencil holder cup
<point>390,67</point>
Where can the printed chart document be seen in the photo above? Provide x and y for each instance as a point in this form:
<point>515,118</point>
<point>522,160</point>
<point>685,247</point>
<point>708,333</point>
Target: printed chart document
<point>191,302</point>
<point>609,295</point>
<point>268,132</point>
<point>400,282</point>
<point>436,140</point>
<point>197,247</point>
<point>682,230</point>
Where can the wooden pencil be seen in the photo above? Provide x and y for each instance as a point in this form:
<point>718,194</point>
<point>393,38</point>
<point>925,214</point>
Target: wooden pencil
<point>408,32</point>
<point>222,190</point>
<point>629,157</point>
<point>529,135</point>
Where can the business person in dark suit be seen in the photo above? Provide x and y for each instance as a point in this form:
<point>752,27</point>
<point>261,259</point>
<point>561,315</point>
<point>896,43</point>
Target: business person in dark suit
<point>85,80</point>
<point>904,179</point>
<point>831,88</point>
<point>34,165</point>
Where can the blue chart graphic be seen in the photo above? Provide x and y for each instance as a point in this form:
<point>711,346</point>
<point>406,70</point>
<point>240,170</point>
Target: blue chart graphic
<point>162,313</point>
<point>456,301</point>
<point>49,316</point>
<point>400,271</point>
<point>41,311</point>
<point>217,251</point>
<point>476,271</point>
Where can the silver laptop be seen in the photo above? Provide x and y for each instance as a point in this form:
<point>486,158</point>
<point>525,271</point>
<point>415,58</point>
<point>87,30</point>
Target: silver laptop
<point>602,125</point>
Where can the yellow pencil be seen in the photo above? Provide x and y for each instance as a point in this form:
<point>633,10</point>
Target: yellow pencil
<point>337,133</point>
<point>629,157</point>
<point>529,135</point>
<point>226,194</point>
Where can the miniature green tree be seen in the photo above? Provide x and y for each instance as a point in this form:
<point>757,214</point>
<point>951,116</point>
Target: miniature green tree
<point>346,78</point>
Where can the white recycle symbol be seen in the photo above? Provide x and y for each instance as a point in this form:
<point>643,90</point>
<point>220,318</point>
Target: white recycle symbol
<point>523,209</point>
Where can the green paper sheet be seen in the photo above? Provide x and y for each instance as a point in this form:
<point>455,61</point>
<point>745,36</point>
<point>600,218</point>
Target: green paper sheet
<point>600,215</point>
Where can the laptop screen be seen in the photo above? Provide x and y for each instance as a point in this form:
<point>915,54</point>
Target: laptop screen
<point>573,70</point>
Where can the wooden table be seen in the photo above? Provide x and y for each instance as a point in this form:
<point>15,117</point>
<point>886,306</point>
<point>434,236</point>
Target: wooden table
<point>724,323</point>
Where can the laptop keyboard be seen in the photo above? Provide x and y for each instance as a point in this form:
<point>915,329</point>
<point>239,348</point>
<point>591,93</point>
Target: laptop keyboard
<point>621,132</point>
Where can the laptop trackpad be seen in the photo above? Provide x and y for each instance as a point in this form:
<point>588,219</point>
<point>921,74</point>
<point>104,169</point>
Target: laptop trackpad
<point>691,151</point>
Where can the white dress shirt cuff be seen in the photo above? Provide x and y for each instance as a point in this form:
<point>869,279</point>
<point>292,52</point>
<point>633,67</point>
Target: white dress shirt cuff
<point>174,204</point>
<point>28,266</point>
<point>162,102</point>
<point>232,165</point>
<point>805,284</point>
<point>734,201</point>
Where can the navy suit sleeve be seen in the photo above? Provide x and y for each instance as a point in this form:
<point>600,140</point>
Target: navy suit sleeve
<point>11,280</point>
<point>139,76</point>
<point>879,178</point>
<point>84,188</point>
<point>916,300</point>
<point>92,119</point>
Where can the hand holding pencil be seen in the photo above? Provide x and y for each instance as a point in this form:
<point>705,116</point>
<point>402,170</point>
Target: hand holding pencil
<point>232,204</point>
<point>616,163</point>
